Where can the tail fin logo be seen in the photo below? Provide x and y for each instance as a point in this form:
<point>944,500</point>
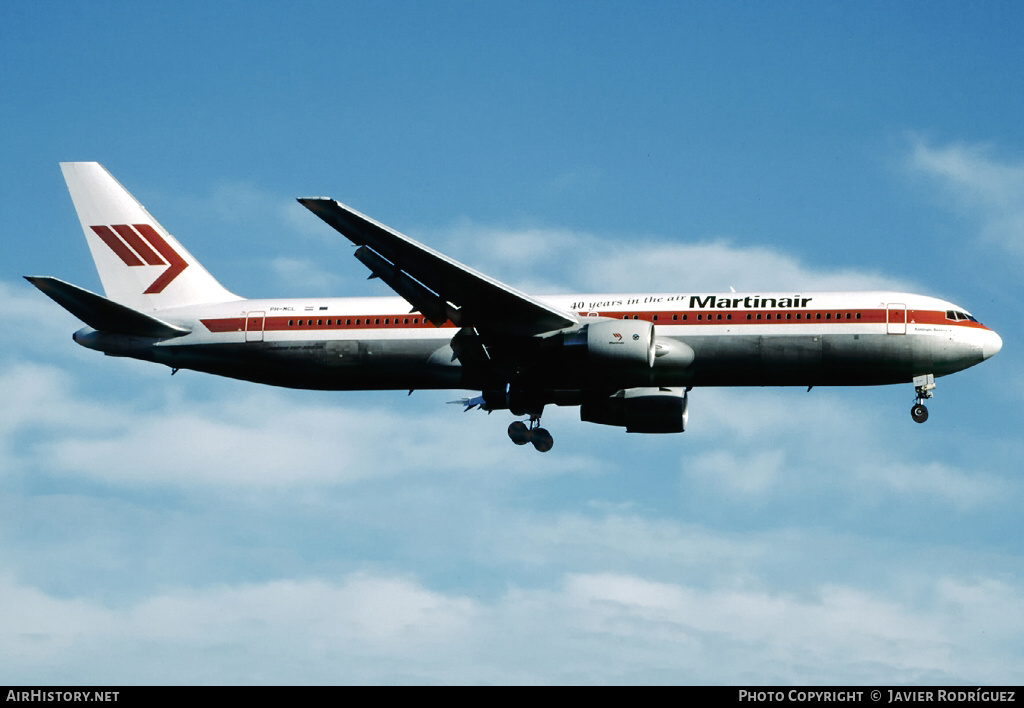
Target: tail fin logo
<point>141,245</point>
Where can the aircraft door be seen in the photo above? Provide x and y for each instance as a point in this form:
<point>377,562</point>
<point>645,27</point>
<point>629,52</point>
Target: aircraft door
<point>896,318</point>
<point>254,326</point>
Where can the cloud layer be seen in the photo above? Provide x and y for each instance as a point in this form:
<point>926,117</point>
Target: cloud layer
<point>587,627</point>
<point>200,530</point>
<point>979,185</point>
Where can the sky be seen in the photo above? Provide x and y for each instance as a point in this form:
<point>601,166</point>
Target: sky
<point>196,530</point>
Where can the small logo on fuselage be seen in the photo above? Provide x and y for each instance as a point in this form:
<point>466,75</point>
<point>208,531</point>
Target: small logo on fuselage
<point>141,245</point>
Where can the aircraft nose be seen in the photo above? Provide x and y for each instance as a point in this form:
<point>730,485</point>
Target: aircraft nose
<point>992,344</point>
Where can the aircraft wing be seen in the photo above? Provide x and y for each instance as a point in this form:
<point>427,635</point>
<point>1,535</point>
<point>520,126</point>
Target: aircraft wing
<point>439,287</point>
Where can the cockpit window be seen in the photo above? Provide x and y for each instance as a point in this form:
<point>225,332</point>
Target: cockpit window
<point>956,315</point>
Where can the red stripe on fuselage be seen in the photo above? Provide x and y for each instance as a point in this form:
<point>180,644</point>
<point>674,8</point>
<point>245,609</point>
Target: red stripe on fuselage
<point>707,317</point>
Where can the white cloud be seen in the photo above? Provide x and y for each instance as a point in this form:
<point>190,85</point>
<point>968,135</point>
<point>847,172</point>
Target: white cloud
<point>35,397</point>
<point>834,633</point>
<point>763,441</point>
<point>32,323</point>
<point>962,488</point>
<point>268,632</point>
<point>753,474</point>
<point>584,627</point>
<point>545,260</point>
<point>302,278</point>
<point>261,440</point>
<point>258,439</point>
<point>380,613</point>
<point>716,266</point>
<point>978,185</point>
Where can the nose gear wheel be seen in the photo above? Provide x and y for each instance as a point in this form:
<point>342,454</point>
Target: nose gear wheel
<point>923,386</point>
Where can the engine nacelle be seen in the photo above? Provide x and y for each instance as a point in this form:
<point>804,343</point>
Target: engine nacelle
<point>640,410</point>
<point>614,343</point>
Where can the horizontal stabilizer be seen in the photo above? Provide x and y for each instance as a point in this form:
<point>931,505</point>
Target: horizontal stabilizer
<point>102,314</point>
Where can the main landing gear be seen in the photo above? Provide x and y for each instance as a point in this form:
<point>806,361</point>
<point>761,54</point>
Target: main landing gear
<point>923,385</point>
<point>540,437</point>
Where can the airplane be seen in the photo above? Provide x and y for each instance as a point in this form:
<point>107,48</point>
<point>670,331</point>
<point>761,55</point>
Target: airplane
<point>627,360</point>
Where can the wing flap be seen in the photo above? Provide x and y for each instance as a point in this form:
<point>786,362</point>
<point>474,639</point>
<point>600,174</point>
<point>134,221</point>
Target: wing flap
<point>102,314</point>
<point>433,307</point>
<point>429,279</point>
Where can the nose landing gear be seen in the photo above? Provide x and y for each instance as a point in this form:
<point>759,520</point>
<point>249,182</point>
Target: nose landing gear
<point>923,385</point>
<point>540,437</point>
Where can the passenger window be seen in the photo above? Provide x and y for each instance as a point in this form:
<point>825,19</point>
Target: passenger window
<point>675,318</point>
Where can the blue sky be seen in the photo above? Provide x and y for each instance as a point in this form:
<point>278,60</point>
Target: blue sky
<point>197,530</point>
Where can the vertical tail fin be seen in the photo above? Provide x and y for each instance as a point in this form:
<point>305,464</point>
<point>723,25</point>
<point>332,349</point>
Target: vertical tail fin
<point>140,264</point>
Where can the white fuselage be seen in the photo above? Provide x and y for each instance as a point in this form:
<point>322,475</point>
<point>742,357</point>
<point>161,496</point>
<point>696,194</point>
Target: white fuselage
<point>628,360</point>
<point>703,339</point>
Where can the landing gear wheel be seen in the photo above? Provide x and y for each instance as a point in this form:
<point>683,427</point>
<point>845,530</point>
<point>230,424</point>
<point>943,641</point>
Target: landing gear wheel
<point>919,413</point>
<point>519,433</point>
<point>542,439</point>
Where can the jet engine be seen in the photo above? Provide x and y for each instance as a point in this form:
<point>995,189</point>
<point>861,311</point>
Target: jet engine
<point>620,352</point>
<point>640,410</point>
<point>615,342</point>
